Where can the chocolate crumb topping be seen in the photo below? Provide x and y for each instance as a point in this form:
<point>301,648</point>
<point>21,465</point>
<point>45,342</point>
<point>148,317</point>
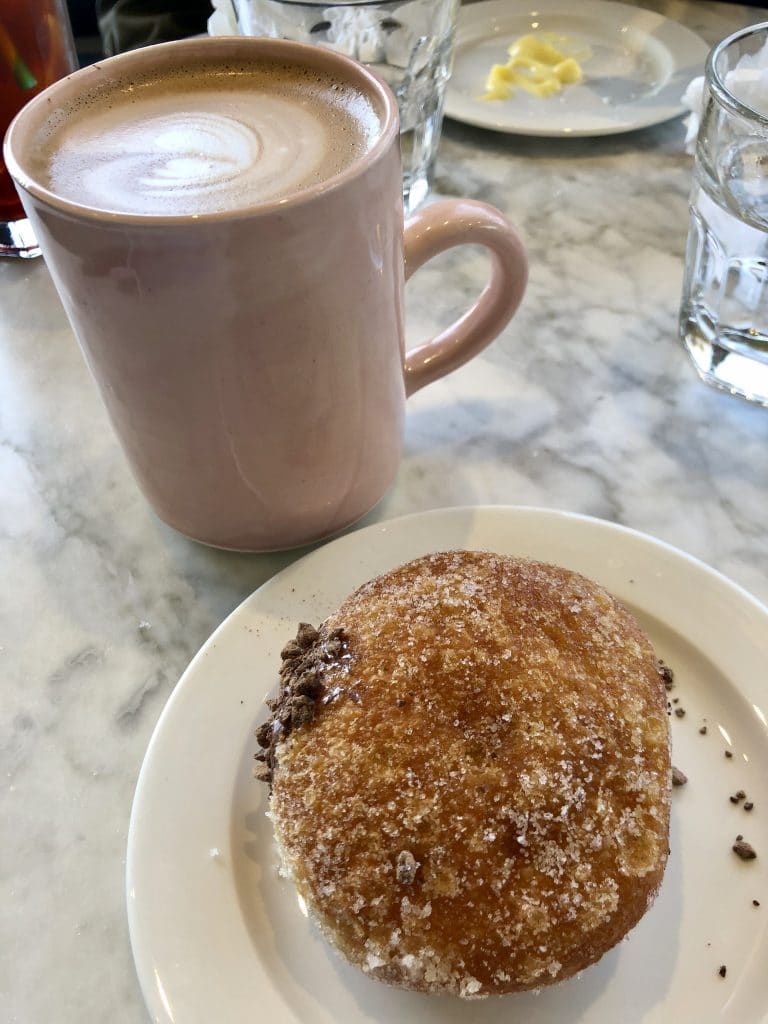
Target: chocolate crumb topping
<point>406,869</point>
<point>748,805</point>
<point>739,837</point>
<point>309,685</point>
<point>302,710</point>
<point>264,734</point>
<point>678,778</point>
<point>723,971</point>
<point>667,675</point>
<point>743,850</point>
<point>304,661</point>
<point>307,636</point>
<point>290,651</point>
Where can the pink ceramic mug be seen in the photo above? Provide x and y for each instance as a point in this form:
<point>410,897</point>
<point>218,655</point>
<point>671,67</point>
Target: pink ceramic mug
<point>253,361</point>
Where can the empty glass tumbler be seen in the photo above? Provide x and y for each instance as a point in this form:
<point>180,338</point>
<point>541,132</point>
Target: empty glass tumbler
<point>409,43</point>
<point>724,311</point>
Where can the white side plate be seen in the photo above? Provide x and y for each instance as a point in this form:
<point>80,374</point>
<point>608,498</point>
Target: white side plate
<point>640,66</point>
<point>218,938</point>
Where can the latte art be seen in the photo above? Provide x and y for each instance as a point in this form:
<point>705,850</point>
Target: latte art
<point>183,163</point>
<point>192,145</point>
<point>197,152</point>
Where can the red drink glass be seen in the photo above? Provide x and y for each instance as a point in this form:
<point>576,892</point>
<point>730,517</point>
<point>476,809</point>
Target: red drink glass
<point>36,49</point>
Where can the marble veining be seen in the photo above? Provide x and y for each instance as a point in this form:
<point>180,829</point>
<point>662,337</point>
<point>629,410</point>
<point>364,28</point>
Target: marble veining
<point>587,403</point>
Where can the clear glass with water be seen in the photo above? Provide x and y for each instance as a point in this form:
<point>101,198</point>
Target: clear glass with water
<point>409,43</point>
<point>724,311</point>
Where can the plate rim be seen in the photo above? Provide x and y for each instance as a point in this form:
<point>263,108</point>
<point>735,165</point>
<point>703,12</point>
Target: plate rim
<point>472,14</point>
<point>156,1004</point>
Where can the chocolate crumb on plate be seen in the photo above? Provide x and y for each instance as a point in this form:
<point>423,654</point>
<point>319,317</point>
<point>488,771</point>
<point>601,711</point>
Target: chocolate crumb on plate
<point>680,712</point>
<point>740,794</point>
<point>743,850</point>
<point>729,753</point>
<point>703,730</point>
<point>748,805</point>
<point>723,971</point>
<point>667,675</point>
<point>678,778</point>
<point>755,903</point>
<point>733,799</point>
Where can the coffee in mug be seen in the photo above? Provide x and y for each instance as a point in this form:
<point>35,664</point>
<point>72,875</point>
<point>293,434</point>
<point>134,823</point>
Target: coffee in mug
<point>203,138</point>
<point>223,221</point>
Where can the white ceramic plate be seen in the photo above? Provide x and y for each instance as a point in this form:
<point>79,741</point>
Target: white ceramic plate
<point>640,66</point>
<point>218,938</point>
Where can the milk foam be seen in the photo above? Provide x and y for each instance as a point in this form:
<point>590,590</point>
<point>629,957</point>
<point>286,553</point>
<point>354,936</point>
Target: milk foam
<point>181,147</point>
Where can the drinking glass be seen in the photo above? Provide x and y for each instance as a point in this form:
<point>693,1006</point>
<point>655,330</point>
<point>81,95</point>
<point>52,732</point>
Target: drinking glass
<point>408,43</point>
<point>724,310</point>
<point>36,49</point>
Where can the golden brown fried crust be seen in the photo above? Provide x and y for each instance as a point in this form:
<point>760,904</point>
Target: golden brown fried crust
<point>481,802</point>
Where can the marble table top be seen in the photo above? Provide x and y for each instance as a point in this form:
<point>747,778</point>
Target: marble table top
<point>586,403</point>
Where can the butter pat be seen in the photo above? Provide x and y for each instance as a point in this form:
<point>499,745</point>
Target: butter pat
<point>539,63</point>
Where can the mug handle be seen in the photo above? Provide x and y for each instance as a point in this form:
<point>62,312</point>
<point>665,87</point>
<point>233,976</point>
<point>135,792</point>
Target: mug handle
<point>441,226</point>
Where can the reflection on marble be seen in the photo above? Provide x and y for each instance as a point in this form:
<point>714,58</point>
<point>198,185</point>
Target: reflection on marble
<point>587,403</point>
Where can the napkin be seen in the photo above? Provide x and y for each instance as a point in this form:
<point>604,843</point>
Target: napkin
<point>355,31</point>
<point>748,82</point>
<point>223,21</point>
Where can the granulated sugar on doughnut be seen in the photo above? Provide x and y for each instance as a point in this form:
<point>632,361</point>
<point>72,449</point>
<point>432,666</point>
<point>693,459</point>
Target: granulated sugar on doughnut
<point>470,774</point>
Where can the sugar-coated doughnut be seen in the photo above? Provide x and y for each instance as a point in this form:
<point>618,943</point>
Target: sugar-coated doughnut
<point>470,773</point>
